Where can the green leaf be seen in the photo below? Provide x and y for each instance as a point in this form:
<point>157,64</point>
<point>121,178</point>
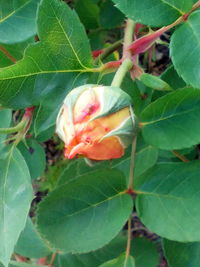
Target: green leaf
<point>187,66</point>
<point>154,12</point>
<point>18,20</point>
<point>77,209</point>
<point>108,10</point>
<point>188,253</point>
<point>168,200</point>
<point>79,167</point>
<point>154,82</point>
<point>145,159</point>
<point>34,156</point>
<point>56,90</point>
<point>16,196</point>
<point>30,244</point>
<point>88,13</point>
<point>93,258</point>
<point>172,121</point>
<point>63,47</point>
<point>144,252</point>
<point>121,261</point>
<point>5,120</point>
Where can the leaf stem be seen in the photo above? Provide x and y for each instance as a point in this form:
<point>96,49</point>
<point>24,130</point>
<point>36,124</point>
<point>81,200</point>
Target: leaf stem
<point>126,65</point>
<point>108,50</point>
<point>128,38</point>
<point>7,54</point>
<point>128,246</point>
<point>14,129</point>
<point>53,257</point>
<point>132,164</point>
<point>180,156</point>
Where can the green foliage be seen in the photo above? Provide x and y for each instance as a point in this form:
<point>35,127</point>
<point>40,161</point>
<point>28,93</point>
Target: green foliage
<point>154,12</point>
<point>188,253</point>
<point>34,156</point>
<point>121,261</point>
<point>5,120</point>
<point>169,192</point>
<point>46,57</point>
<point>30,244</point>
<point>166,121</point>
<point>143,251</point>
<point>16,195</point>
<point>79,209</point>
<point>187,66</point>
<point>18,20</point>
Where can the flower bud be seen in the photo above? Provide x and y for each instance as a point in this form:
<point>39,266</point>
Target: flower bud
<point>96,122</point>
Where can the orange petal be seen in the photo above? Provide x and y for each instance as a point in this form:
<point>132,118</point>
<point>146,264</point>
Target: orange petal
<point>110,148</point>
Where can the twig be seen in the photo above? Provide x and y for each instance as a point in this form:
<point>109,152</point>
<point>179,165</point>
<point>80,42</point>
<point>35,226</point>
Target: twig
<point>53,257</point>
<point>180,156</point>
<point>107,51</point>
<point>7,54</point>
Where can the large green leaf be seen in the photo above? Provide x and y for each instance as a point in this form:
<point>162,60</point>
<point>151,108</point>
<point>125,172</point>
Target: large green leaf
<point>172,121</point>
<point>188,253</point>
<point>5,120</point>
<point>154,12</point>
<point>30,244</point>
<point>63,47</point>
<point>144,252</point>
<point>17,20</point>
<point>186,60</point>
<point>15,199</point>
<point>88,211</point>
<point>168,200</point>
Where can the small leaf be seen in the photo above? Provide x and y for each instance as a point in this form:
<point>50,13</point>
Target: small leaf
<point>167,201</point>
<point>154,12</point>
<point>121,261</point>
<point>188,253</point>
<point>16,196</point>
<point>63,47</point>
<point>154,82</point>
<point>172,121</point>
<point>77,209</point>
<point>34,156</point>
<point>30,244</point>
<point>186,60</point>
<point>18,20</point>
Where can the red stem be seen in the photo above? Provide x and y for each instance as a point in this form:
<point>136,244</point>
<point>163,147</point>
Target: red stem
<point>7,54</point>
